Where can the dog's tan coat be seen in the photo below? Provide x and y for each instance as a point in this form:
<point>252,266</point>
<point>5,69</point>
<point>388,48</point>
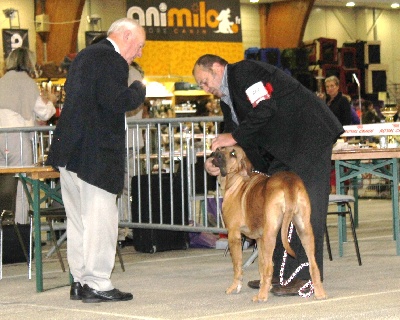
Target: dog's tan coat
<point>258,206</point>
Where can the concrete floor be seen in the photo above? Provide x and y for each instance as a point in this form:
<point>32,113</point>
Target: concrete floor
<point>190,284</point>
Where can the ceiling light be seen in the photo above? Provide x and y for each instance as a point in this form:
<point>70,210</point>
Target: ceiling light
<point>395,5</point>
<point>350,4</point>
<point>253,1</point>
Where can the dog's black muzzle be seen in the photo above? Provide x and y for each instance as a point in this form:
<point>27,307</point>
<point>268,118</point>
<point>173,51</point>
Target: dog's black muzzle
<point>219,161</point>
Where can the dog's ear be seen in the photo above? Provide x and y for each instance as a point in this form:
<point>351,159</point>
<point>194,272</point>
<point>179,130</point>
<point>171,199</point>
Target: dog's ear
<point>245,167</point>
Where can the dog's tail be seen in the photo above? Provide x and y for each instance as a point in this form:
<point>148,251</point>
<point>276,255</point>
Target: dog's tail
<point>290,193</point>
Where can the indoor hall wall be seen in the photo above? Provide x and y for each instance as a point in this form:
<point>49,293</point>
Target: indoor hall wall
<point>323,22</point>
<point>107,10</point>
<point>160,59</point>
<point>26,18</point>
<point>388,32</point>
<point>117,8</point>
<point>250,25</point>
<point>352,24</point>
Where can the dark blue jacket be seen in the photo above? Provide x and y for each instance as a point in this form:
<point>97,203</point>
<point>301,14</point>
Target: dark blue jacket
<point>90,135</point>
<point>293,126</point>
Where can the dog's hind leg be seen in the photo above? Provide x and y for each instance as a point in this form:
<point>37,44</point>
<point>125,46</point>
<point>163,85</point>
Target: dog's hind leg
<point>235,248</point>
<point>304,230</point>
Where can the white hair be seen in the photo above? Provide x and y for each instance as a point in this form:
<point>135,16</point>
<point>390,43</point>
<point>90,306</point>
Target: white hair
<point>123,24</point>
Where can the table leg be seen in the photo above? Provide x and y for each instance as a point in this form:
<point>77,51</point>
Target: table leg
<point>38,240</point>
<point>395,201</point>
<point>355,193</point>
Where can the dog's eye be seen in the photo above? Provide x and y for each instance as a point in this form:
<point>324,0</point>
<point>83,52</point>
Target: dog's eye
<point>233,154</point>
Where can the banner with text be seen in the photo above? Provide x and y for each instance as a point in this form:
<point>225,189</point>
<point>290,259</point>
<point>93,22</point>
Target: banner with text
<point>188,20</point>
<point>373,129</point>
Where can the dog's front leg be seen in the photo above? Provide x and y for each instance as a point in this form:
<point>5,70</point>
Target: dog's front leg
<point>235,248</point>
<point>266,246</point>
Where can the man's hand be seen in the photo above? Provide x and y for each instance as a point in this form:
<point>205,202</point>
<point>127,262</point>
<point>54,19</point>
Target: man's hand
<point>210,168</point>
<point>140,89</point>
<point>222,140</point>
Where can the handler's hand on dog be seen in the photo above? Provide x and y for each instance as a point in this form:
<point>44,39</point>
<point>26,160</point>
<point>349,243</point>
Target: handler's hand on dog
<point>210,168</point>
<point>222,140</point>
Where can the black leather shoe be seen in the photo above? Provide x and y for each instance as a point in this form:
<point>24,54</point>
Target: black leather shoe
<point>76,291</point>
<point>292,289</point>
<point>90,295</point>
<point>255,284</point>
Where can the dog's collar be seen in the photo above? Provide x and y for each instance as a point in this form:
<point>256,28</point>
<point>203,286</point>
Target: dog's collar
<point>259,172</point>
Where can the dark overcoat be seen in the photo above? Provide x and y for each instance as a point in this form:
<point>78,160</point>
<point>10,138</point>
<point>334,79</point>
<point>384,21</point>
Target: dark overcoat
<point>293,125</point>
<point>90,135</point>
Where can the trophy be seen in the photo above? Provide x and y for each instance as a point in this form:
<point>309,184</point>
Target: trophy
<point>389,111</point>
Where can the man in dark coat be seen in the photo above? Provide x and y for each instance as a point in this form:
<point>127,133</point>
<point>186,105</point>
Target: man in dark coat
<point>89,150</point>
<point>281,125</point>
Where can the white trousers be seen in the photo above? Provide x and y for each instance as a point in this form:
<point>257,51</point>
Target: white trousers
<point>92,231</point>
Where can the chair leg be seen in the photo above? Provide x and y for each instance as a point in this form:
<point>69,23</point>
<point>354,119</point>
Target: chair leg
<point>30,247</point>
<point>21,242</point>
<point>353,229</point>
<point>54,241</point>
<point>121,261</point>
<point>226,249</point>
<point>328,243</point>
<point>1,251</point>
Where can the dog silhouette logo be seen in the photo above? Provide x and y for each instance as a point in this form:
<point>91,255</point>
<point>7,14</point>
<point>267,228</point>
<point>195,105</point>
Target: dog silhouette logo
<point>225,26</point>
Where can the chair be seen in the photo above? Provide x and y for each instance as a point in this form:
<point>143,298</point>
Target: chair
<point>53,214</point>
<point>344,208</point>
<point>8,198</point>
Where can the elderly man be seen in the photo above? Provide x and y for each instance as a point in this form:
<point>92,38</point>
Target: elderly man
<point>88,148</point>
<point>281,125</point>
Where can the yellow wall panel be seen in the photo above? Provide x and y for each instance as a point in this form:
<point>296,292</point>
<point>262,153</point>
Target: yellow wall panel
<point>173,58</point>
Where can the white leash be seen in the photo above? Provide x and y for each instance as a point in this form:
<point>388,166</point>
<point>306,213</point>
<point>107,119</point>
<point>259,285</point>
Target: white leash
<point>306,264</point>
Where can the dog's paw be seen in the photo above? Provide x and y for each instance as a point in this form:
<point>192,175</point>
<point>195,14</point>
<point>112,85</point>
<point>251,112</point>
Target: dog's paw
<point>319,293</point>
<point>260,298</point>
<point>235,287</point>
<point>321,297</point>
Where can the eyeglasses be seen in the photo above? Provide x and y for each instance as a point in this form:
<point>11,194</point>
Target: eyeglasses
<point>203,83</point>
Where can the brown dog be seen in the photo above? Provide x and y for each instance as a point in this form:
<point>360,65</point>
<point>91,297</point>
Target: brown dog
<point>258,206</point>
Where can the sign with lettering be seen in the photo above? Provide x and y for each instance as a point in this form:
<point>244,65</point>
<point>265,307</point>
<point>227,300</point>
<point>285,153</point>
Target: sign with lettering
<point>373,129</point>
<point>183,20</point>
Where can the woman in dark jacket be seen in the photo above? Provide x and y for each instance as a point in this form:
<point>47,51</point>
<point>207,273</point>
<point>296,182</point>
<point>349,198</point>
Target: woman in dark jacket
<point>338,103</point>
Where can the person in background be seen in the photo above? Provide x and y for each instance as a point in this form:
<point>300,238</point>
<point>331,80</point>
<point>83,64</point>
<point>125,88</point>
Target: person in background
<point>355,119</point>
<point>21,105</point>
<point>396,117</point>
<point>298,133</point>
<point>369,114</point>
<point>336,102</point>
<point>340,106</point>
<point>89,150</point>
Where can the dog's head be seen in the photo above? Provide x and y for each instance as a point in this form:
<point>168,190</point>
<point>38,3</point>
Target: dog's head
<point>232,160</point>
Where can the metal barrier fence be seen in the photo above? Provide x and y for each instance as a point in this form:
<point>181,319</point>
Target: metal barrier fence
<point>165,186</point>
